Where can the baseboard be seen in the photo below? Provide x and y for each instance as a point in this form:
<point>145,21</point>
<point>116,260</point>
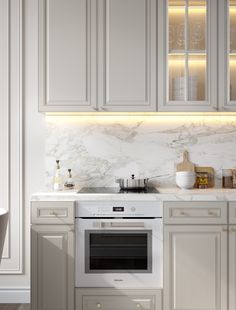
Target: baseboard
<point>14,296</point>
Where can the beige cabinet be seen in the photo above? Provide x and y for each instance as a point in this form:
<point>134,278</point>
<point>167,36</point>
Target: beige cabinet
<point>187,75</point>
<point>127,49</point>
<point>52,256</point>
<point>232,256</point>
<point>97,55</point>
<point>67,55</point>
<point>195,267</point>
<point>227,55</point>
<point>107,299</point>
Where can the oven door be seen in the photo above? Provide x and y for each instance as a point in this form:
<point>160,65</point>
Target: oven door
<point>119,253</point>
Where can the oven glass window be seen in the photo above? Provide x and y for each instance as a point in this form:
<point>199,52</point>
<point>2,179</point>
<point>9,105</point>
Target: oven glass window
<point>118,251</point>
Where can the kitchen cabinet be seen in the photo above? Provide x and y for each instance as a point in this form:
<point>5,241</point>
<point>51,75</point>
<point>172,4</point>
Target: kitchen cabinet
<point>127,49</point>
<point>106,299</point>
<point>52,257</point>
<point>232,256</point>
<point>187,58</point>
<point>195,261</point>
<point>67,55</point>
<point>97,55</point>
<point>227,55</point>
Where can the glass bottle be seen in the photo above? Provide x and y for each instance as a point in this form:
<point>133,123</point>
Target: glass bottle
<point>69,184</point>
<point>57,185</point>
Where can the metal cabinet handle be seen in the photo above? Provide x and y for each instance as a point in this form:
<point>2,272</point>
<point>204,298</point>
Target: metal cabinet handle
<point>233,229</point>
<point>225,229</point>
<point>98,305</point>
<point>52,213</point>
<point>138,306</point>
<point>183,213</point>
<point>212,213</point>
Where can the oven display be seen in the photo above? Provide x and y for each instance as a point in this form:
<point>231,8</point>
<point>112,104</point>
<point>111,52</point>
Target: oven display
<point>118,209</point>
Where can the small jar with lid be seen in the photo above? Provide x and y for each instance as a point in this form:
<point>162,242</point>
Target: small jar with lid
<point>227,178</point>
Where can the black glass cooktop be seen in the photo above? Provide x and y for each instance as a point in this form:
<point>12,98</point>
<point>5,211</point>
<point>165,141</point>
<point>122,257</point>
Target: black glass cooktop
<point>116,190</point>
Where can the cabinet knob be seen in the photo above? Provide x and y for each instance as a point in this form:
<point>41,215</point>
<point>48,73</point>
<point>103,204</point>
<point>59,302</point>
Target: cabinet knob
<point>52,213</point>
<point>98,305</point>
<point>224,229</point>
<point>233,229</point>
<point>138,306</point>
<point>183,213</point>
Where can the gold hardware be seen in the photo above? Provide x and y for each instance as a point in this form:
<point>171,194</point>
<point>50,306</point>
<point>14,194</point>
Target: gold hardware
<point>138,305</point>
<point>99,305</point>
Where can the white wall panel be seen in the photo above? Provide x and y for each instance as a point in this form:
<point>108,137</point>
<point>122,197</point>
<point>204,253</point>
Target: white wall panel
<point>11,133</point>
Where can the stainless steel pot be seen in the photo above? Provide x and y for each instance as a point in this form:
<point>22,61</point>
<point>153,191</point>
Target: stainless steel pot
<point>133,183</point>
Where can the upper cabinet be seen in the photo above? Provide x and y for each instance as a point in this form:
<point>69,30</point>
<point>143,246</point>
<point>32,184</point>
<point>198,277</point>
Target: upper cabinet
<point>67,55</point>
<point>137,55</point>
<point>188,55</point>
<point>127,55</point>
<point>227,55</point>
<point>97,55</point>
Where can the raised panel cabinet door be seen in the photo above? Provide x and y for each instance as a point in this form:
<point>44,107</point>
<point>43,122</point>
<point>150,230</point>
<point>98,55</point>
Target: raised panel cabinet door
<point>127,55</point>
<point>232,267</point>
<point>187,55</point>
<point>195,267</point>
<point>67,55</point>
<point>52,267</point>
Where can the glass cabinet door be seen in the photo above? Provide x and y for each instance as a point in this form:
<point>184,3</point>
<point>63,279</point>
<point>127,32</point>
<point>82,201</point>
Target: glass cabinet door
<point>227,55</point>
<point>190,58</point>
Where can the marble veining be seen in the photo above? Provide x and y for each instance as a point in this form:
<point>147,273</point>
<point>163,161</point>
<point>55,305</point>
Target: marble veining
<point>99,149</point>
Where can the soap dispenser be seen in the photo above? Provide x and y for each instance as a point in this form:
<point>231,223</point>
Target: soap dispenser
<point>69,184</point>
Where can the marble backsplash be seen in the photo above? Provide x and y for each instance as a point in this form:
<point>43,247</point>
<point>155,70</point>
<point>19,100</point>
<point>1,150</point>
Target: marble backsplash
<point>100,148</point>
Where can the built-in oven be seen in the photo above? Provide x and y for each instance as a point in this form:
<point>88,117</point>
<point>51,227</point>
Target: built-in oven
<point>119,244</point>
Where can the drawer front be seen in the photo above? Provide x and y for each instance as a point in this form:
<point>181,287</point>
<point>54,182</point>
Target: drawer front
<point>117,303</point>
<point>52,212</point>
<point>195,212</point>
<point>232,212</point>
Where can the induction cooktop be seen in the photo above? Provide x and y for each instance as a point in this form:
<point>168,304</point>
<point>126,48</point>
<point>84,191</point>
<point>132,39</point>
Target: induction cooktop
<point>116,190</point>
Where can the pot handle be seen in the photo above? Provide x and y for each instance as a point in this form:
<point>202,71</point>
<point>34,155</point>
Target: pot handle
<point>158,176</point>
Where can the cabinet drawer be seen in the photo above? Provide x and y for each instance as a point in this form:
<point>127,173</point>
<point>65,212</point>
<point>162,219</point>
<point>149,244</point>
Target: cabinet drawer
<point>110,298</point>
<point>232,212</point>
<point>117,303</point>
<point>52,212</point>
<point>195,212</point>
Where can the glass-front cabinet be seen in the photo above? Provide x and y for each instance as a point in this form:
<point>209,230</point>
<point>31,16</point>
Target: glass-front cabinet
<point>227,55</point>
<point>188,65</point>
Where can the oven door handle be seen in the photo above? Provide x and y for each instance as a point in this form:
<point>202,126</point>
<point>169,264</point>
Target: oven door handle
<point>117,224</point>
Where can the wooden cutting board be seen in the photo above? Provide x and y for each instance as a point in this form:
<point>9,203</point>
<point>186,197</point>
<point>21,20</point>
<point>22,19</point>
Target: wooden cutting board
<point>186,164</point>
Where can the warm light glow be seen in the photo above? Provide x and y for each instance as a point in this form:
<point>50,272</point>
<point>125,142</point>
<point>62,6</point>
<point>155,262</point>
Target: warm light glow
<point>232,10</point>
<point>191,10</point>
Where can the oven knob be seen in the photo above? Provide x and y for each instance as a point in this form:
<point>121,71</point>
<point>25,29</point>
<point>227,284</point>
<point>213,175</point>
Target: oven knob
<point>99,305</point>
<point>133,209</point>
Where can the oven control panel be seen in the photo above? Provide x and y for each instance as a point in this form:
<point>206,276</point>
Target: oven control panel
<point>88,209</point>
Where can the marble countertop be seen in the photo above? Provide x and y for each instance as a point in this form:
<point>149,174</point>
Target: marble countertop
<point>165,194</point>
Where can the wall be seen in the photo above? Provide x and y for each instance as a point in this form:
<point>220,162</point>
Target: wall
<point>98,149</point>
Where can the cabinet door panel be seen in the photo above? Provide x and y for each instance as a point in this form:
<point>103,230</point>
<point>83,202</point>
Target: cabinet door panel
<point>227,55</point>
<point>232,267</point>
<point>127,45</point>
<point>195,273</point>
<point>52,268</point>
<point>65,55</point>
<point>187,74</point>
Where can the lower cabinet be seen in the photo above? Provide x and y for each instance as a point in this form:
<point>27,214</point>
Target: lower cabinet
<point>52,267</point>
<point>113,299</point>
<point>195,267</point>
<point>232,267</point>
